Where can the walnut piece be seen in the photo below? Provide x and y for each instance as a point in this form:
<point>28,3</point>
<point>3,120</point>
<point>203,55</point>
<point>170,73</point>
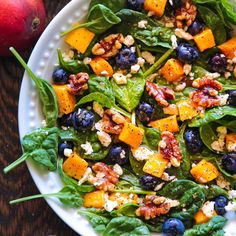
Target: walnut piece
<point>155,206</point>
<point>109,46</point>
<point>106,178</point>
<point>206,95</point>
<point>169,148</point>
<point>78,83</point>
<point>161,94</point>
<point>186,14</point>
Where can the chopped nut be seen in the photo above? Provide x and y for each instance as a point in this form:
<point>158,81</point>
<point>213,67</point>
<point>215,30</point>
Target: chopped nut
<point>87,60</point>
<point>109,46</point>
<point>180,87</point>
<point>148,57</point>
<point>78,83</point>
<point>118,170</point>
<point>183,35</point>
<point>187,69</point>
<point>161,95</point>
<point>104,138</point>
<point>97,107</point>
<point>222,182</point>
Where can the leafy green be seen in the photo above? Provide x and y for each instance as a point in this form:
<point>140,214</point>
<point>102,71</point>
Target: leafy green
<point>213,114</point>
<point>126,226</point>
<point>46,92</point>
<point>96,219</point>
<point>67,195</point>
<point>41,145</point>
<point>126,210</point>
<point>209,228</point>
<point>214,191</point>
<point>72,66</point>
<point>152,137</point>
<point>99,20</point>
<point>229,10</point>
<point>130,177</point>
<point>229,122</point>
<point>137,166</point>
<point>128,96</point>
<point>114,5</point>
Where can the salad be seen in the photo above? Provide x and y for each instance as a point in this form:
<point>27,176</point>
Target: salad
<point>140,117</point>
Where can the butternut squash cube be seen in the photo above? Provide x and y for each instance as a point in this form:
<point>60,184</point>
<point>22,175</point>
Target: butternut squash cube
<point>166,124</point>
<point>231,142</point>
<point>186,110</point>
<point>131,135</point>
<point>156,6</point>
<point>173,70</point>
<point>204,172</point>
<point>101,67</point>
<point>80,39</point>
<point>155,165</point>
<point>205,40</point>
<point>66,101</point>
<point>94,199</point>
<point>123,198</point>
<point>201,218</point>
<point>229,48</point>
<point>74,166</point>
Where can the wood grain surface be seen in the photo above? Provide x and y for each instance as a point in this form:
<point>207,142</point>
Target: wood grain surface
<point>34,218</point>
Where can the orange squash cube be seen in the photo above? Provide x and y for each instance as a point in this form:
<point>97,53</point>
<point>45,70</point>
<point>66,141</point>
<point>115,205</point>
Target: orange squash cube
<point>172,71</point>
<point>204,172</point>
<point>74,166</point>
<point>123,198</point>
<point>66,101</point>
<point>166,124</point>
<point>229,48</point>
<point>131,135</point>
<point>95,199</point>
<point>201,218</point>
<point>80,39</point>
<point>231,142</point>
<point>205,40</point>
<point>156,165</point>
<point>101,67</point>
<point>156,6</point>
<point>186,110</point>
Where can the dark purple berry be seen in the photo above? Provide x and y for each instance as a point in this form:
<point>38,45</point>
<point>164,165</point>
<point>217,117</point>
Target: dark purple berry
<point>229,162</point>
<point>136,5</point>
<point>218,63</point>
<point>66,120</point>
<point>125,58</point>
<point>119,153</point>
<point>63,146</point>
<point>196,27</point>
<point>187,53</point>
<point>193,141</point>
<point>60,76</point>
<point>232,97</point>
<point>173,227</point>
<point>145,112</point>
<point>220,204</point>
<point>149,182</point>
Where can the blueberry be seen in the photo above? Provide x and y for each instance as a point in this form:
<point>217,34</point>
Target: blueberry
<point>218,63</point>
<point>119,153</point>
<point>60,76</point>
<point>145,112</point>
<point>232,97</point>
<point>149,182</point>
<point>229,162</point>
<point>83,119</point>
<point>187,53</point>
<point>136,5</point>
<point>193,141</point>
<point>173,227</point>
<point>63,146</point>
<point>196,27</point>
<point>220,204</point>
<point>176,4</point>
<point>66,120</point>
<point>125,58</point>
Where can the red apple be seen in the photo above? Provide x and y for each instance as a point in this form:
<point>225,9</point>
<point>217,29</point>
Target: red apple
<point>21,23</point>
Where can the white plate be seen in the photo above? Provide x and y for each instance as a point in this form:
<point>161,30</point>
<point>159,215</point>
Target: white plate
<point>42,62</point>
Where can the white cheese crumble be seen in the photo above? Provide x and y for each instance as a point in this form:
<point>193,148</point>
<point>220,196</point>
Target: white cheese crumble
<point>180,87</point>
<point>174,41</point>
<point>187,69</point>
<point>117,169</point>
<point>87,147</point>
<point>110,205</point>
<point>97,107</point>
<point>67,152</point>
<point>98,125</point>
<point>104,72</point>
<point>128,41</point>
<point>182,34</point>
<point>86,175</point>
<point>232,194</point>
<point>219,144</point>
<point>141,61</point>
<point>142,24</point>
<point>159,186</point>
<point>142,153</point>
<point>87,60</point>
<point>104,138</point>
<point>135,69</point>
<point>167,177</point>
<point>223,99</point>
<point>148,57</point>
<point>231,206</point>
<point>120,78</point>
<point>208,208</point>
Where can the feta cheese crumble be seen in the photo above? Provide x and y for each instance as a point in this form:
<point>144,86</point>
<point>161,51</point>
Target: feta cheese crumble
<point>208,208</point>
<point>120,78</point>
<point>142,153</point>
<point>142,24</point>
<point>128,41</point>
<point>67,152</point>
<point>87,147</point>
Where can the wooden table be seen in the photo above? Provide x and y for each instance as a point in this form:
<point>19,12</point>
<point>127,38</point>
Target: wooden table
<point>34,218</point>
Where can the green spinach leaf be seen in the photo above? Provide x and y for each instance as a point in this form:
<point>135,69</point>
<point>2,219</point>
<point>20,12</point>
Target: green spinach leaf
<point>126,210</point>
<point>137,166</point>
<point>130,177</point>
<point>229,10</point>
<point>114,5</point>
<point>214,191</point>
<point>152,137</point>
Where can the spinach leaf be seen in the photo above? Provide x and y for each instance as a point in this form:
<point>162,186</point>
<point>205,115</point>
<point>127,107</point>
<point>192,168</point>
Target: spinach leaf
<point>199,72</point>
<point>209,228</point>
<point>137,166</point>
<point>128,96</point>
<point>41,145</point>
<point>96,219</point>
<point>126,210</point>
<point>67,195</point>
<point>72,66</point>
<point>213,114</point>
<point>229,10</point>
<point>152,137</point>
<point>229,122</point>
<point>130,177</point>
<point>46,92</point>
<point>114,5</point>
<point>190,195</point>
<point>214,191</point>
<point>99,20</point>
<point>219,233</point>
<point>124,226</point>
<point>72,182</point>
